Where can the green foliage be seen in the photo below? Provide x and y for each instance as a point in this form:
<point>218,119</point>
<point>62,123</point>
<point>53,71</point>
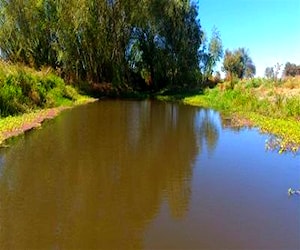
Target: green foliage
<point>238,64</point>
<point>15,125</point>
<point>287,131</point>
<point>22,90</point>
<point>211,55</point>
<point>291,69</point>
<point>70,93</point>
<point>254,83</point>
<point>148,44</point>
<point>273,72</point>
<point>10,97</point>
<point>269,73</point>
<point>275,114</point>
<point>292,107</point>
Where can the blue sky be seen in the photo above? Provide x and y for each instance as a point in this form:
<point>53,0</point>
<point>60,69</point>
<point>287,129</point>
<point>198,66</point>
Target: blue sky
<point>270,29</point>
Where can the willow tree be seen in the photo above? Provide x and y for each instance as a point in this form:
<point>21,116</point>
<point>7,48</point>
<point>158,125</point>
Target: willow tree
<point>165,41</point>
<point>28,31</point>
<point>120,41</point>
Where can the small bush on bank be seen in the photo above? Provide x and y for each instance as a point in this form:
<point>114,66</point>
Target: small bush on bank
<point>70,93</point>
<point>22,89</point>
<point>254,83</point>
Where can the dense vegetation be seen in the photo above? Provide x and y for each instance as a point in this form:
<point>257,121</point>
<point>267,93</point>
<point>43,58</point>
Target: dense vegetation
<point>130,45</point>
<point>238,64</point>
<point>290,70</point>
<point>272,106</point>
<point>28,97</point>
<point>147,44</point>
<point>23,89</point>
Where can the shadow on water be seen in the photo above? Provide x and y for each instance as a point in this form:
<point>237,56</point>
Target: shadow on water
<point>126,174</point>
<point>95,176</point>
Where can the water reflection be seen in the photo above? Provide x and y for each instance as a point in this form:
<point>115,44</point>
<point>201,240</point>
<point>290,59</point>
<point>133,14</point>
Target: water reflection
<point>1,165</point>
<point>272,143</point>
<point>208,127</point>
<point>95,176</point>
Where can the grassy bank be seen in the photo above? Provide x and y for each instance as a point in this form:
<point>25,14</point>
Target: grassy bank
<point>23,90</point>
<point>28,97</point>
<point>15,125</point>
<point>274,107</point>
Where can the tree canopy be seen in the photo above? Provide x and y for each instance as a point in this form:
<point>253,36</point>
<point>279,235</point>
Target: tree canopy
<point>291,69</point>
<point>269,73</point>
<point>238,64</point>
<point>148,44</point>
<point>211,54</point>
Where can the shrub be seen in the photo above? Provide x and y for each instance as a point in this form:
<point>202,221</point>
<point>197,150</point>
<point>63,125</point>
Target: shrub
<point>23,89</point>
<point>292,107</point>
<point>10,99</point>
<point>254,83</point>
<point>70,93</point>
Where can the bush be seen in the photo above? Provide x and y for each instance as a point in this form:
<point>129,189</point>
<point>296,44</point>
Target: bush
<point>23,89</point>
<point>10,97</point>
<point>292,107</point>
<point>70,93</point>
<point>254,83</point>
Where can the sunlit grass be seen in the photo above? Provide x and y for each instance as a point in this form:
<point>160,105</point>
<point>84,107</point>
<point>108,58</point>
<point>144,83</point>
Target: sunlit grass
<point>27,97</point>
<point>16,125</point>
<point>23,89</point>
<point>277,113</point>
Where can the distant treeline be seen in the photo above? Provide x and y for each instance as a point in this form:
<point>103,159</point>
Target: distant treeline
<point>144,44</point>
<point>290,70</point>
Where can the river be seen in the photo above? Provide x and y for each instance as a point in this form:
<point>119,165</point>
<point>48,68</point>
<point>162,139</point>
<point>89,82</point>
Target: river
<point>146,175</point>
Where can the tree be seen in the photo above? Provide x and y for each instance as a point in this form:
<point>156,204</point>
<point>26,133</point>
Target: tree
<point>166,43</point>
<point>97,41</point>
<point>291,69</point>
<point>248,65</point>
<point>233,64</point>
<point>211,55</point>
<point>238,64</point>
<point>27,31</point>
<point>269,73</point>
<point>277,69</point>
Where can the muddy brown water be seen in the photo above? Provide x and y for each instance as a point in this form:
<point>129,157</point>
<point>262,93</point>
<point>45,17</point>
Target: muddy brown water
<point>146,175</point>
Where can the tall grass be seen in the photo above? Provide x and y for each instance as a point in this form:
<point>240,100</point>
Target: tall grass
<point>244,99</point>
<point>23,89</point>
<point>278,112</point>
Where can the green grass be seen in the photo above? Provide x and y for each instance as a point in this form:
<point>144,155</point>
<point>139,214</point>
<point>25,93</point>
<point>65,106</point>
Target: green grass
<point>23,89</point>
<point>175,95</point>
<point>27,97</point>
<point>276,114</point>
<point>15,125</point>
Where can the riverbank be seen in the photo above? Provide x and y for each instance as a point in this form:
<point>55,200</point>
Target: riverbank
<point>28,97</point>
<point>12,126</point>
<point>274,107</point>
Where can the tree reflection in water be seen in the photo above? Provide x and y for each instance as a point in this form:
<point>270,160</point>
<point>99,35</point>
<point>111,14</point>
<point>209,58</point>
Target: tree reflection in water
<point>208,129</point>
<point>97,175</point>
